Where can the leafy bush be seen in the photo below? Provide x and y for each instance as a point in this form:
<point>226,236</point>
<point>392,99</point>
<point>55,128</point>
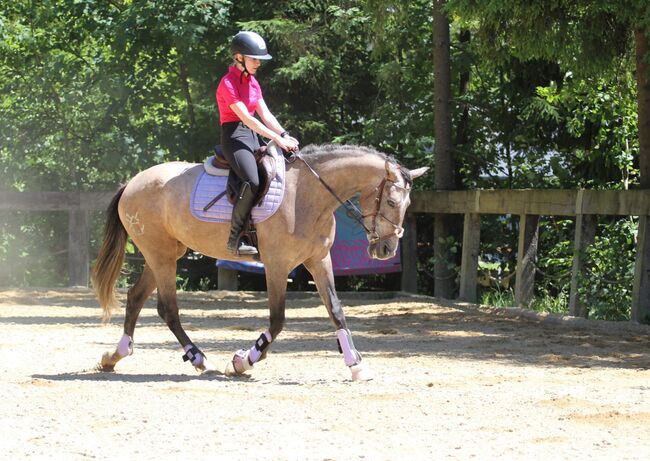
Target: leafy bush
<point>606,289</point>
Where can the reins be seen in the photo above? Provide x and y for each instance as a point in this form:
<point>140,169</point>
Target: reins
<point>352,209</point>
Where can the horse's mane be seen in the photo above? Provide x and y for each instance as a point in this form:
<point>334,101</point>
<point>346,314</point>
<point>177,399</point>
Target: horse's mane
<point>319,152</point>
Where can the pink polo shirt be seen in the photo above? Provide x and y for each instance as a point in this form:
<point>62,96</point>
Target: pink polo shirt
<point>234,88</point>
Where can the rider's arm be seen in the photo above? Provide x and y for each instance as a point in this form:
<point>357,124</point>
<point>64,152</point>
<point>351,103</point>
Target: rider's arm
<point>251,122</point>
<point>268,118</point>
<point>271,122</point>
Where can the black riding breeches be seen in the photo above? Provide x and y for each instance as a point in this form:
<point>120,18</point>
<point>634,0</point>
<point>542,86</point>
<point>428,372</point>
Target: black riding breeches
<point>238,143</point>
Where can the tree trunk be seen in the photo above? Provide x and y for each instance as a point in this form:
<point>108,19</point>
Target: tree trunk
<point>185,85</point>
<point>641,288</point>
<point>444,174</point>
<point>643,101</point>
<point>462,130</point>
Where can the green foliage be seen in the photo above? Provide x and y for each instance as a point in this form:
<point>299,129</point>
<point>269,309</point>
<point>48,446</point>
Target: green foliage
<point>33,249</point>
<point>401,121</point>
<point>93,92</point>
<point>498,298</point>
<point>551,302</point>
<point>607,288</point>
<point>584,35</point>
<point>318,84</point>
<point>597,135</point>
<point>555,257</point>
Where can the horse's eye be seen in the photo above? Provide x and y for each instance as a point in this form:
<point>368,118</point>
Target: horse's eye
<point>391,203</point>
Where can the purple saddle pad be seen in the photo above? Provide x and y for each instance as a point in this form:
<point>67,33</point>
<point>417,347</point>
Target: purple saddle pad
<point>207,187</point>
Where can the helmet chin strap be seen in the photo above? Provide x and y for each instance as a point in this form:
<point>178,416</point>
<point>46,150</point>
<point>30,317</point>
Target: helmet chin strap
<point>243,64</point>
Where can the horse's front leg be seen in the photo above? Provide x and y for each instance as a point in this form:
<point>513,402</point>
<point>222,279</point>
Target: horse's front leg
<point>276,285</point>
<point>321,270</point>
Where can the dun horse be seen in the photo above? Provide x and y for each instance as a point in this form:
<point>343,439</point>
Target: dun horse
<point>153,208</point>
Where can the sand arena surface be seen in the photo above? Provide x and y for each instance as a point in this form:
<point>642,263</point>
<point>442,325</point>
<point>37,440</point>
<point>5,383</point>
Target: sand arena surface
<point>453,381</point>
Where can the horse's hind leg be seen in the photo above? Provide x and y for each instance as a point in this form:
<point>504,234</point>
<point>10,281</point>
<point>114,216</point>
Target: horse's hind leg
<point>136,297</point>
<point>321,270</point>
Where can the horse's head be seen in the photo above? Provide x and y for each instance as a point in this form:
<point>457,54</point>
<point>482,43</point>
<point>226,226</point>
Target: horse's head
<point>388,202</point>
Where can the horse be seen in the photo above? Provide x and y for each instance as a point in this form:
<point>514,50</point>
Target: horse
<point>152,208</point>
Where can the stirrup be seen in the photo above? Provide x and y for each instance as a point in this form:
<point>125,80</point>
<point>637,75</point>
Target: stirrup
<point>244,249</point>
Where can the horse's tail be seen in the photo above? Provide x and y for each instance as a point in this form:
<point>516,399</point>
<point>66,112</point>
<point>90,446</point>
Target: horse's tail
<point>109,261</point>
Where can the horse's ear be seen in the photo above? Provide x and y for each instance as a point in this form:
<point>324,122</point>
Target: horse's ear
<point>419,172</point>
<point>390,172</point>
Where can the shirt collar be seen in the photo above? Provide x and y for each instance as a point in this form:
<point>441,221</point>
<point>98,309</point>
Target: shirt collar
<point>236,72</point>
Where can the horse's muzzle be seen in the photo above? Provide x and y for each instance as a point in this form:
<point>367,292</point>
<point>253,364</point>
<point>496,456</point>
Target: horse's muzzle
<point>383,248</point>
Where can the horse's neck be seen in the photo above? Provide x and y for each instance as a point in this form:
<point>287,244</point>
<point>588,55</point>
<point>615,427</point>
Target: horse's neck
<point>347,174</point>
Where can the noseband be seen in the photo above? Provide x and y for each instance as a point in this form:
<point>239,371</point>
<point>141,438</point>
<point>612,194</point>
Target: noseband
<point>357,215</point>
<point>373,235</point>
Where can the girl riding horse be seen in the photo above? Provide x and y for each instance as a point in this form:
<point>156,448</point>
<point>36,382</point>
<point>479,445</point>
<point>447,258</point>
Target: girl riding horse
<point>239,97</point>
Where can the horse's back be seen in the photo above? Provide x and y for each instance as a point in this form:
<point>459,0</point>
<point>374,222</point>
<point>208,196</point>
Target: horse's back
<point>150,195</point>
<point>158,176</point>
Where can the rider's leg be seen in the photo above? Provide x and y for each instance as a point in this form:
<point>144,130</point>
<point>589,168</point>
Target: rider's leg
<point>240,213</point>
<point>238,146</point>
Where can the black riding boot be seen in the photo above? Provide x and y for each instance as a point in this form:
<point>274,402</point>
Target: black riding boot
<point>240,213</point>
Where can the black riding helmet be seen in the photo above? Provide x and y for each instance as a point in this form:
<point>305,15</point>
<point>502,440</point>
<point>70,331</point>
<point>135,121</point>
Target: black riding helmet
<point>250,44</point>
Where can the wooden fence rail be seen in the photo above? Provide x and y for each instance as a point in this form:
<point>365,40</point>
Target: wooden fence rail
<point>78,205</point>
<point>529,205</point>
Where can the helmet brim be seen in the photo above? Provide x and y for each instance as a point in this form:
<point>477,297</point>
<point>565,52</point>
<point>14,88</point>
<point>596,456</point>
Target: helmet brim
<point>264,57</point>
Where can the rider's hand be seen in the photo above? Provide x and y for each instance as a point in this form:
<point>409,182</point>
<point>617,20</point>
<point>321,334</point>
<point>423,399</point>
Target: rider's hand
<point>287,144</point>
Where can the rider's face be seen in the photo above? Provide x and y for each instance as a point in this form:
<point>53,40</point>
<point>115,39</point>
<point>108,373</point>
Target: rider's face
<point>252,64</point>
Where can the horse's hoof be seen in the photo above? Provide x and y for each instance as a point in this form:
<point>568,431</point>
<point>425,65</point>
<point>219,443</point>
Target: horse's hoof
<point>239,364</point>
<point>230,370</point>
<point>361,372</point>
<point>206,368</point>
<point>106,364</point>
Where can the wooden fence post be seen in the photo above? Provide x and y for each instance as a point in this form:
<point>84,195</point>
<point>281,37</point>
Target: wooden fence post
<point>585,233</point>
<point>469,259</point>
<point>641,286</point>
<point>409,255</point>
<point>78,238</point>
<point>526,258</point>
<point>226,279</point>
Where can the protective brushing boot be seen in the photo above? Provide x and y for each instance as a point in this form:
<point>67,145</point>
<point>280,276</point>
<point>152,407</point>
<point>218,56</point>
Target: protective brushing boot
<point>240,213</point>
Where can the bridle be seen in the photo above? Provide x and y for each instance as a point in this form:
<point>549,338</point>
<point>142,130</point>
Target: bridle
<point>373,236</point>
<point>356,214</point>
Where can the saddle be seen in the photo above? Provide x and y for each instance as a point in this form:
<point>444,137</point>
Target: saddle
<point>217,165</point>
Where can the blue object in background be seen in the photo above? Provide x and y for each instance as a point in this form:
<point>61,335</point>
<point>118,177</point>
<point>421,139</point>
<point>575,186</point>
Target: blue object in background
<point>349,253</point>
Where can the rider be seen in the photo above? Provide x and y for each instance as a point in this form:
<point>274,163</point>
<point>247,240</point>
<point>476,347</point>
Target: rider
<point>239,97</point>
